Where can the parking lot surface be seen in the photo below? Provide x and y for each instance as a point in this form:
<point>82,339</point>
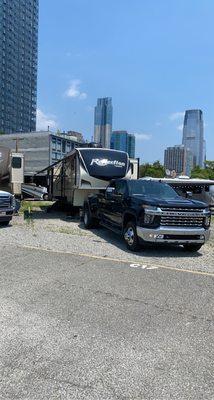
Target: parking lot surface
<point>82,318</point>
<point>58,233</point>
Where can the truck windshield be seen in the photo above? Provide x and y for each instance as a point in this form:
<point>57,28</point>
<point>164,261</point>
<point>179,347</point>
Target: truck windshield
<point>153,189</point>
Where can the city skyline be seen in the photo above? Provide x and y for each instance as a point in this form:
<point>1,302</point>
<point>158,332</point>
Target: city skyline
<point>74,72</point>
<point>18,65</point>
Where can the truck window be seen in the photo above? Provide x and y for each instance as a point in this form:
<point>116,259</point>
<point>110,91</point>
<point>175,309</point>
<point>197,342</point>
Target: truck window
<point>121,187</point>
<point>150,188</point>
<point>16,162</point>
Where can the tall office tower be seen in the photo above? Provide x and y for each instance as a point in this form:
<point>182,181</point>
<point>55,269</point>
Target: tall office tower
<point>193,135</point>
<point>119,140</point>
<point>204,151</point>
<point>178,158</point>
<point>103,121</point>
<point>18,65</point>
<point>131,145</point>
<point>122,140</point>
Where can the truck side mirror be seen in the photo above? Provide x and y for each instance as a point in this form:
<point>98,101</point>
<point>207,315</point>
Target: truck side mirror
<point>189,195</point>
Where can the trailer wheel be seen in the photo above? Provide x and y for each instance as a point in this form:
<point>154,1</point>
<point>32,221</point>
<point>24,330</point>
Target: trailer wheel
<point>192,247</point>
<point>89,221</point>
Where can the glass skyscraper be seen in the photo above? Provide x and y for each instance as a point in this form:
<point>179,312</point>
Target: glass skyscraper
<point>122,140</point>
<point>103,121</point>
<point>18,65</point>
<point>193,135</point>
<point>119,140</point>
<point>131,145</point>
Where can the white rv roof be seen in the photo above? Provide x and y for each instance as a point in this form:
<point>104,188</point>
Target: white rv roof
<point>182,179</point>
<point>98,149</point>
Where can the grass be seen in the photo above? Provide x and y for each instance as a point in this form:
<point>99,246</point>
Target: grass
<point>30,206</point>
<point>68,231</point>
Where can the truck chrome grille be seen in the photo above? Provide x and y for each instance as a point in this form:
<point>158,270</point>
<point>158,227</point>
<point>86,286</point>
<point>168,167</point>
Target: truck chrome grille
<point>187,217</point>
<point>179,220</point>
<point>4,202</point>
<point>179,209</point>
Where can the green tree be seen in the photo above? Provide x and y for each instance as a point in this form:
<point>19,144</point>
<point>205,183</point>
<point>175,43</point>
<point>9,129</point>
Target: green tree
<point>209,165</point>
<point>155,170</point>
<point>204,173</point>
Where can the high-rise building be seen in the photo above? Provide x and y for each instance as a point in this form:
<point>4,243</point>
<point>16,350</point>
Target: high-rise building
<point>122,140</point>
<point>119,140</point>
<point>103,122</point>
<point>131,145</point>
<point>179,159</point>
<point>18,65</point>
<point>193,135</point>
<point>204,151</point>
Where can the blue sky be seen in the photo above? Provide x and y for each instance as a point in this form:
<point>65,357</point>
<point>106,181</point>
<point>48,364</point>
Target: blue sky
<point>154,58</point>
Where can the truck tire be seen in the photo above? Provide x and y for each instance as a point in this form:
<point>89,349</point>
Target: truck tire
<point>89,221</point>
<point>130,236</point>
<point>192,247</point>
<point>4,223</point>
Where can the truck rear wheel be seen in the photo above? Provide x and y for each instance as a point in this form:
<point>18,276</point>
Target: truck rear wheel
<point>130,236</point>
<point>192,247</point>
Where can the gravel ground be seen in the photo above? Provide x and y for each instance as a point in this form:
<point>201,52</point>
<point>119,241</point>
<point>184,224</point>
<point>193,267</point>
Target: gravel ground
<point>56,232</point>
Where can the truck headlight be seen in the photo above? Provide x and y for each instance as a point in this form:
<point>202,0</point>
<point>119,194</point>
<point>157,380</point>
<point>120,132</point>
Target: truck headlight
<point>148,219</point>
<point>207,221</point>
<point>148,208</point>
<point>13,202</point>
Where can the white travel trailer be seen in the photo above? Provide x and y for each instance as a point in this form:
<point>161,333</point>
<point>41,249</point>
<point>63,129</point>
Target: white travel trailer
<point>11,171</point>
<point>87,171</point>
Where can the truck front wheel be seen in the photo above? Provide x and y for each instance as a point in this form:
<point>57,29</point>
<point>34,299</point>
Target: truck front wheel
<point>192,247</point>
<point>4,223</point>
<point>130,236</point>
<point>89,221</point>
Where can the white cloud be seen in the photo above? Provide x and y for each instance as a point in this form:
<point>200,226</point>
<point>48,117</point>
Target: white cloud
<point>73,90</point>
<point>158,124</point>
<point>143,136</point>
<point>43,121</point>
<point>180,127</point>
<point>176,116</point>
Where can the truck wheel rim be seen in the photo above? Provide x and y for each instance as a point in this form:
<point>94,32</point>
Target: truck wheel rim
<point>129,236</point>
<point>86,218</point>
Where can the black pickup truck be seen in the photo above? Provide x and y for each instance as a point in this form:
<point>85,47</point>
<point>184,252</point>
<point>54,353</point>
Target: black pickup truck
<point>146,211</point>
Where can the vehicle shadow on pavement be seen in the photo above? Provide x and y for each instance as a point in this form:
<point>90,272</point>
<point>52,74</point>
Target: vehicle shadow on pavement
<point>148,250</point>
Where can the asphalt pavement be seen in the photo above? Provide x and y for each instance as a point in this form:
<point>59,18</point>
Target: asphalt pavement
<point>77,327</point>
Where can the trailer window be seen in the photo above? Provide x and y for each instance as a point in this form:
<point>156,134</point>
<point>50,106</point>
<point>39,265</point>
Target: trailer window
<point>16,162</point>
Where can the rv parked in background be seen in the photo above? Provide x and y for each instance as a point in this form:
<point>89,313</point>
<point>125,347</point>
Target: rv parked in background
<point>11,171</point>
<point>198,189</point>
